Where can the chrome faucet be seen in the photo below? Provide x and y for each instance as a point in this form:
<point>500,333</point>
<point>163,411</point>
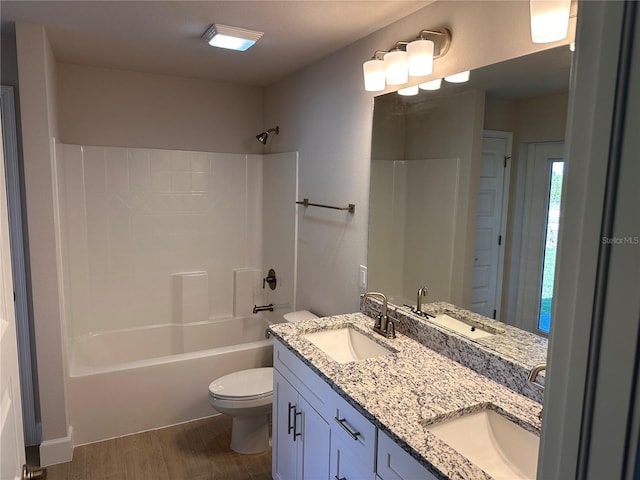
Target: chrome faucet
<point>422,292</point>
<point>382,326</point>
<point>533,375</point>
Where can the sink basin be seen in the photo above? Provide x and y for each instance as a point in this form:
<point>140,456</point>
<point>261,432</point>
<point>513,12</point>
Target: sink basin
<point>460,327</point>
<point>498,446</point>
<point>346,345</point>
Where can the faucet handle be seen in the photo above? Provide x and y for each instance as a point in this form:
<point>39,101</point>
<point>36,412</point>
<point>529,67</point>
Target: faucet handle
<point>391,328</point>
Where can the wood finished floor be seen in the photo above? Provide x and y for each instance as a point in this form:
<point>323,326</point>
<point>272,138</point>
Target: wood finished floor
<point>196,450</point>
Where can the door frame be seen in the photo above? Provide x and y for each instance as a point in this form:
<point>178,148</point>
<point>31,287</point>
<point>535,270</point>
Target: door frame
<point>526,283</point>
<point>14,205</point>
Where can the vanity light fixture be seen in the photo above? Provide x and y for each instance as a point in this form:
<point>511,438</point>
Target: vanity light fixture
<point>549,20</point>
<point>409,91</point>
<point>432,85</point>
<point>396,67</point>
<point>233,38</point>
<point>374,76</point>
<point>405,59</point>
<point>420,57</point>
<point>458,77</point>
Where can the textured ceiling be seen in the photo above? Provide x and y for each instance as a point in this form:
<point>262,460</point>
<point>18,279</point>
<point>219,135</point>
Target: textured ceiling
<point>164,36</point>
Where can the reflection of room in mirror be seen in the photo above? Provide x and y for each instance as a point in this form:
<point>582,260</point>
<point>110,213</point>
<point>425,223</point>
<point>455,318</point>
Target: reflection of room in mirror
<point>412,236</point>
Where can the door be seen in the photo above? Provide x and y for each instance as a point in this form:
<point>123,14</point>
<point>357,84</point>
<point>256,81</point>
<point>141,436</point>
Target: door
<point>12,455</point>
<point>543,182</point>
<point>490,224</point>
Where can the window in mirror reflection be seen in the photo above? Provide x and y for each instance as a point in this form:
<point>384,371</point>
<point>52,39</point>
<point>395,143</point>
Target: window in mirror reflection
<point>551,243</point>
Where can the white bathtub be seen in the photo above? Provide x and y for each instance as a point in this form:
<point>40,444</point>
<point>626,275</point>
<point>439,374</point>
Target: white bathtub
<point>127,381</point>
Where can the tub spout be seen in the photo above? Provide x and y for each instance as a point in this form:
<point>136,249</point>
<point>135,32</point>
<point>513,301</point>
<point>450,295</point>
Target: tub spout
<point>263,308</point>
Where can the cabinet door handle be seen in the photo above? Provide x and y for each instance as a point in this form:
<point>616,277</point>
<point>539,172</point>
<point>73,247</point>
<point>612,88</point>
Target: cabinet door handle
<point>290,427</point>
<point>340,478</point>
<point>295,425</point>
<point>343,423</point>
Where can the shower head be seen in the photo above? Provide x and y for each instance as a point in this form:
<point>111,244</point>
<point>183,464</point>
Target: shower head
<point>262,138</point>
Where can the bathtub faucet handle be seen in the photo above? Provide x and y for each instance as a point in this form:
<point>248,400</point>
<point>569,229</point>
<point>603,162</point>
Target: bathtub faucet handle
<point>270,279</point>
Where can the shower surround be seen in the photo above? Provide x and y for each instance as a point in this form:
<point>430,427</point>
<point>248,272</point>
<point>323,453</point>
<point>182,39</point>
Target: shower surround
<point>166,241</point>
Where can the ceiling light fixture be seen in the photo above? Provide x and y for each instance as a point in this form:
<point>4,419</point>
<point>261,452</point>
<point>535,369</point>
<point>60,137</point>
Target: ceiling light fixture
<point>233,38</point>
<point>549,20</point>
<point>405,59</point>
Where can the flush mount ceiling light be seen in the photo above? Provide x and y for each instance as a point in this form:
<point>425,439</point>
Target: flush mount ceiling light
<point>405,59</point>
<point>549,20</point>
<point>233,38</point>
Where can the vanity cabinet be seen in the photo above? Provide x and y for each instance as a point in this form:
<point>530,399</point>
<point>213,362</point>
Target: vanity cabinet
<point>317,434</point>
<point>300,435</point>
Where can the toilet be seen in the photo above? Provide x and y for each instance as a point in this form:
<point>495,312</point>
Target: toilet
<point>247,396</point>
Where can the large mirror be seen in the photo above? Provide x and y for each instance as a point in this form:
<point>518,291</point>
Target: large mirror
<point>465,190</point>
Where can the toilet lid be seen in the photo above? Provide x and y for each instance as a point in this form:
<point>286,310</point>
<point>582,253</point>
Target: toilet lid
<point>245,384</point>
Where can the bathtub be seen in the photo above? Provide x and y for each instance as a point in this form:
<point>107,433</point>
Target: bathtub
<point>127,381</point>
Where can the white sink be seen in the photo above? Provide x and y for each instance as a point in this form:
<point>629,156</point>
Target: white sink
<point>498,446</point>
<point>346,345</point>
<point>460,327</point>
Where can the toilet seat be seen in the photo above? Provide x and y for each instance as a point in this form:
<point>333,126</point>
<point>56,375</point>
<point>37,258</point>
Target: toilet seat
<point>244,385</point>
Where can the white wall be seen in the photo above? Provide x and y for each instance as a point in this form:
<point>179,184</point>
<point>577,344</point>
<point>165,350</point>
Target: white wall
<point>107,107</point>
<point>325,114</point>
<point>37,72</point>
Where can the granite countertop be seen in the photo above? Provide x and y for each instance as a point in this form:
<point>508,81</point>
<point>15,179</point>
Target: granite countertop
<point>506,357</point>
<point>408,390</point>
<point>519,345</point>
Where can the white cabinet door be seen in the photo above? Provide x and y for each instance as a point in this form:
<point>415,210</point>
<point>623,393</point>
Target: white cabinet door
<point>300,436</point>
<point>346,462</point>
<point>315,443</point>
<point>284,464</point>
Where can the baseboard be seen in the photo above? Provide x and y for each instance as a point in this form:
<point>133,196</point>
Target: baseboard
<point>58,450</point>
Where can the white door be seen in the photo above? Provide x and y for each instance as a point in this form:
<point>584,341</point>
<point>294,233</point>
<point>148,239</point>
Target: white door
<point>12,455</point>
<point>491,212</point>
<point>540,159</point>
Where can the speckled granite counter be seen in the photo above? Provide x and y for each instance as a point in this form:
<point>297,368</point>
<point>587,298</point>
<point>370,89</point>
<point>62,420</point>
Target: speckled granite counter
<point>403,392</point>
<point>506,357</point>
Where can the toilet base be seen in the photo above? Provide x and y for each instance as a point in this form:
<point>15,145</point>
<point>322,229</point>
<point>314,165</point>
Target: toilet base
<point>250,434</point>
